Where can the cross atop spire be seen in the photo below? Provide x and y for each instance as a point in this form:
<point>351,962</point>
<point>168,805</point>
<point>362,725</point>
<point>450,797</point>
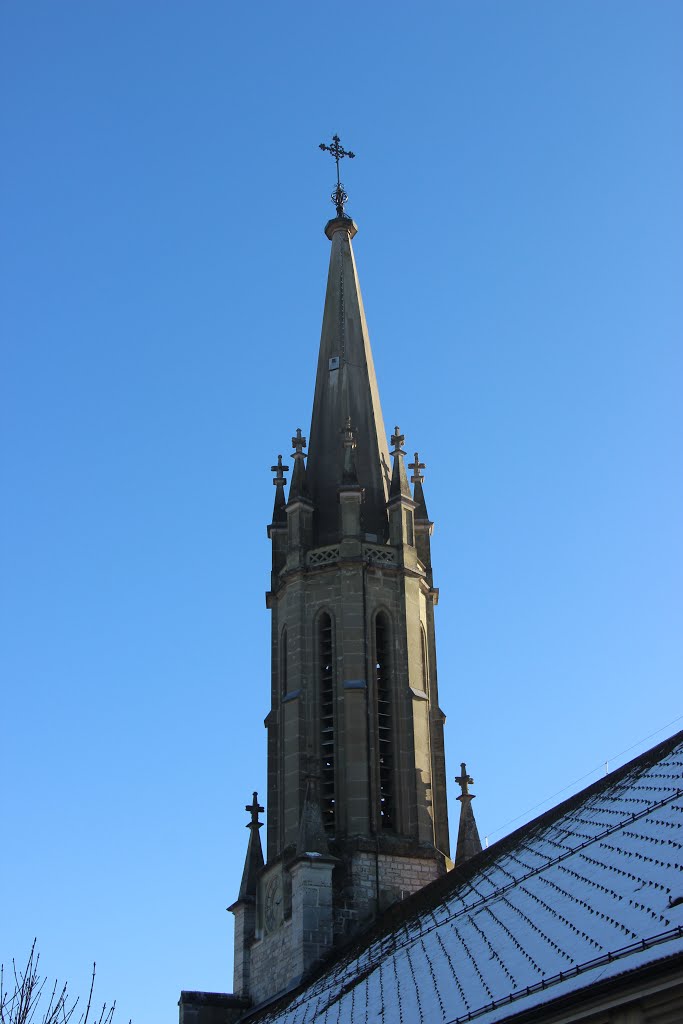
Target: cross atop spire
<point>417,476</point>
<point>298,488</point>
<point>255,808</point>
<point>399,480</point>
<point>397,439</point>
<point>469,842</point>
<point>464,780</point>
<point>348,434</point>
<point>253,862</point>
<point>339,196</point>
<point>298,444</point>
<point>279,471</point>
<point>349,472</point>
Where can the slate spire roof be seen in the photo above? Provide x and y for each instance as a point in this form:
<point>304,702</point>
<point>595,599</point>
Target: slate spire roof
<point>346,387</point>
<point>298,487</point>
<point>587,892</point>
<point>418,491</point>
<point>399,487</point>
<point>469,842</point>
<point>280,503</point>
<point>253,862</point>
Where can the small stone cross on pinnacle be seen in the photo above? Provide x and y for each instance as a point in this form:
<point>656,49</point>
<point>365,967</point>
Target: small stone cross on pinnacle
<point>339,196</point>
<point>416,466</point>
<point>279,471</point>
<point>298,444</point>
<point>464,780</point>
<point>255,808</point>
<point>348,434</point>
<point>397,439</point>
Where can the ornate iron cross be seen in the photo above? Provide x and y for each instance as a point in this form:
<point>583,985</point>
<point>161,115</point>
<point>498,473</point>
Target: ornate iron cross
<point>339,196</point>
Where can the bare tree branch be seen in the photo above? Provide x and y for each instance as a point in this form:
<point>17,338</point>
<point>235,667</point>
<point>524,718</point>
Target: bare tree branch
<point>20,1002</point>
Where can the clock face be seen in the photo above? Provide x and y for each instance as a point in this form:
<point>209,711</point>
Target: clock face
<point>273,903</point>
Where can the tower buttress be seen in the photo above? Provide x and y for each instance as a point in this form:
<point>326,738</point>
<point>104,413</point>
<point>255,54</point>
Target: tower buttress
<point>244,908</point>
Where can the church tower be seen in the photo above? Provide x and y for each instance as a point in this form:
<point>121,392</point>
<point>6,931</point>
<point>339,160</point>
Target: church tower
<point>356,807</point>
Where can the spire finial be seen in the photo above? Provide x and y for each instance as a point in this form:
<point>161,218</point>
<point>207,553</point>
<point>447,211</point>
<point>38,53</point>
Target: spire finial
<point>397,439</point>
<point>416,466</point>
<point>255,809</point>
<point>298,488</point>
<point>399,481</point>
<point>348,434</point>
<point>279,471</point>
<point>469,842</point>
<point>339,196</point>
<point>298,444</point>
<point>349,474</point>
<point>464,780</point>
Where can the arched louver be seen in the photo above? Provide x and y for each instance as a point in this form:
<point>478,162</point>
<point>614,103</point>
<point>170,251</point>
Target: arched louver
<point>283,663</point>
<point>423,659</point>
<point>326,692</point>
<point>384,723</point>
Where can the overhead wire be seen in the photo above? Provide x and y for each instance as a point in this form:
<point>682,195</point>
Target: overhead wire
<point>581,778</point>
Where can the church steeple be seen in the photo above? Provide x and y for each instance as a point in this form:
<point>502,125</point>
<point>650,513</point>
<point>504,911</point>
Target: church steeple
<point>357,814</point>
<point>346,387</point>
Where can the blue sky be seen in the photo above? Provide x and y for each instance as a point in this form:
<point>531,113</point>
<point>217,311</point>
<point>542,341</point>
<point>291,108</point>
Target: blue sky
<point>162,271</point>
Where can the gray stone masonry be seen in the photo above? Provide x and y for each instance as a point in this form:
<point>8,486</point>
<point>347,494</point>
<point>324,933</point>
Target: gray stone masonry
<point>245,926</point>
<point>312,911</point>
<point>272,963</point>
<point>211,1008</point>
<point>354,708</point>
<point>353,593</point>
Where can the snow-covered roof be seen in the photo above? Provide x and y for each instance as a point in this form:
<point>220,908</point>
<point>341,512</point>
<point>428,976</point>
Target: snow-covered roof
<point>581,894</point>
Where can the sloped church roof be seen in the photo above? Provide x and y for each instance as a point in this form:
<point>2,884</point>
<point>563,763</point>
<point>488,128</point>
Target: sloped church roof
<point>587,892</point>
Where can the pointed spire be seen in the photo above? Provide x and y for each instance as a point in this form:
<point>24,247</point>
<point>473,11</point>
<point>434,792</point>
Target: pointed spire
<point>312,836</point>
<point>469,842</point>
<point>254,860</point>
<point>346,386</point>
<point>418,494</point>
<point>298,488</point>
<point>279,514</point>
<point>399,481</point>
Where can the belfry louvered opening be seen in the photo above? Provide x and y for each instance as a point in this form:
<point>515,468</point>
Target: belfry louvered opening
<point>326,681</point>
<point>423,659</point>
<point>283,662</point>
<point>384,722</point>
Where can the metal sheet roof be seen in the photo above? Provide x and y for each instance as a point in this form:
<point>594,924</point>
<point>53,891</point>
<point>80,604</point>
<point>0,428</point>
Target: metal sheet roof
<point>583,893</point>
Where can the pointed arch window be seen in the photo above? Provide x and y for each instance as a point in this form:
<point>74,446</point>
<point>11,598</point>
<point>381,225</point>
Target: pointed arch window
<point>283,662</point>
<point>326,696</point>
<point>423,659</point>
<point>384,722</point>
